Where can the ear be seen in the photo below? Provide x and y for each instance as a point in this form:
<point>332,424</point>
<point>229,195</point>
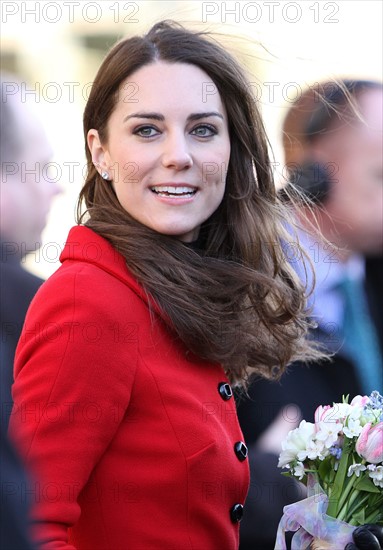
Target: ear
<point>99,152</point>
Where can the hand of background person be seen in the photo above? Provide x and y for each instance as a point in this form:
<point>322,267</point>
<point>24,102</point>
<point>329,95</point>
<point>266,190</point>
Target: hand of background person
<point>270,441</point>
<point>367,537</point>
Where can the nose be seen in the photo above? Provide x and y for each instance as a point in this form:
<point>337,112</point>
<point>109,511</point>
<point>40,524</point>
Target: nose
<point>176,153</point>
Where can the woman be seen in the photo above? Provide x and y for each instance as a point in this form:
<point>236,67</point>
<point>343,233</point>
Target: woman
<point>173,289</point>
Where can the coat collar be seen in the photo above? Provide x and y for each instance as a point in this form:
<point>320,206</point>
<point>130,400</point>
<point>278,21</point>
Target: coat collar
<point>84,245</point>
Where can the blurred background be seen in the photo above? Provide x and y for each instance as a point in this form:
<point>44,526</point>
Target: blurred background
<point>55,48</point>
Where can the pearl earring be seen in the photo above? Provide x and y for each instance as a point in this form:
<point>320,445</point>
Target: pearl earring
<point>105,175</point>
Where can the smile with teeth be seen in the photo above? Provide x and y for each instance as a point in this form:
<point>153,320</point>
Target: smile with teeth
<point>170,191</point>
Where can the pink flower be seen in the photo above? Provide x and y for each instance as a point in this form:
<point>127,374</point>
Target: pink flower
<point>370,443</point>
<point>360,401</point>
<point>320,413</point>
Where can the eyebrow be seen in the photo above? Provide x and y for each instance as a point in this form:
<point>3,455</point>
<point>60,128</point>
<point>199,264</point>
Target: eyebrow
<point>157,116</point>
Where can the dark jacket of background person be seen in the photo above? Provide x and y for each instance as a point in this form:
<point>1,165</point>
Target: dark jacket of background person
<point>16,492</point>
<point>17,288</point>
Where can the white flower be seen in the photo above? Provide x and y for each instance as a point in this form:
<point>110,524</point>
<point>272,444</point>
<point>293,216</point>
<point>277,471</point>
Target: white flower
<point>353,427</point>
<point>328,432</point>
<point>294,446</point>
<point>316,449</point>
<point>355,413</point>
<point>299,470</point>
<point>356,469</point>
<point>340,412</point>
<point>285,458</point>
<point>376,474</point>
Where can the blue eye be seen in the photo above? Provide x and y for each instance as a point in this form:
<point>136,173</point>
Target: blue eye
<point>145,131</point>
<point>204,130</point>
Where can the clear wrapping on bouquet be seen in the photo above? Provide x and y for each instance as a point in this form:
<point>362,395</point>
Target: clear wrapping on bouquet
<point>310,522</point>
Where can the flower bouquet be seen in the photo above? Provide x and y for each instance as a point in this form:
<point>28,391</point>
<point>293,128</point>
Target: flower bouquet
<point>340,460</point>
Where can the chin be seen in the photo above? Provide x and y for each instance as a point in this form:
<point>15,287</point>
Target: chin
<point>370,246</point>
<point>186,234</point>
<point>373,250</point>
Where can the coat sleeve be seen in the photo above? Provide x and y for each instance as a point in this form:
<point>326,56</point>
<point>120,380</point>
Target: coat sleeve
<point>74,370</point>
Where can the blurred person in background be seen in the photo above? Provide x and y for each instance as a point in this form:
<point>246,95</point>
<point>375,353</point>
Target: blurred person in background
<point>25,200</point>
<point>334,151</point>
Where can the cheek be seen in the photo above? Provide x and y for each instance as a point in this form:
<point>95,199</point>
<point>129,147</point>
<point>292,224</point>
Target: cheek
<point>135,166</point>
<point>361,189</point>
<point>214,174</point>
<point>14,211</point>
<point>5,210</point>
<point>215,166</point>
<point>17,196</point>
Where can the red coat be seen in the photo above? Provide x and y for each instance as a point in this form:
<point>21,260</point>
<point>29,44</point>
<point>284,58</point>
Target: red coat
<point>132,440</point>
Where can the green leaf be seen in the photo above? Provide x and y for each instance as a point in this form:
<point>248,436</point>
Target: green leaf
<point>338,487</point>
<point>374,517</point>
<point>365,483</point>
<point>361,502</point>
<point>325,469</point>
<point>360,517</point>
<point>376,500</point>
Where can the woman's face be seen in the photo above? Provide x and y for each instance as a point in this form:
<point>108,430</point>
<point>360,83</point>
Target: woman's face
<point>168,148</point>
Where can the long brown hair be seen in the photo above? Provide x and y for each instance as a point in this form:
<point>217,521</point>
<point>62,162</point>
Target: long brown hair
<point>236,302</point>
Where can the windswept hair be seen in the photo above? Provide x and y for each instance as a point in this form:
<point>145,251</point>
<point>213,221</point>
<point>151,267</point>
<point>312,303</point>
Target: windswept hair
<point>321,109</point>
<point>237,301</point>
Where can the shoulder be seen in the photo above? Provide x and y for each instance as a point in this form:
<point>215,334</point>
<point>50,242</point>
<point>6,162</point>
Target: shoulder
<point>92,273</point>
<point>18,287</point>
<point>15,276</point>
<point>84,315</point>
<point>84,291</point>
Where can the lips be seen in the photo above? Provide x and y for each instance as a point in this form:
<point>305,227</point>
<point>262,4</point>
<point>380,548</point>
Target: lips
<point>182,191</point>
